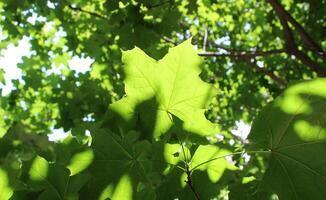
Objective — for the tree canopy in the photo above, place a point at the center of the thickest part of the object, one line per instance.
(152, 116)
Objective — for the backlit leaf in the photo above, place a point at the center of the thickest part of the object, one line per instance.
(293, 129)
(161, 90)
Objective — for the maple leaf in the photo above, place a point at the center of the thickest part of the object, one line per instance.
(171, 89)
(293, 128)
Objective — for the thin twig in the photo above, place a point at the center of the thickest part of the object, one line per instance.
(169, 40)
(159, 4)
(190, 184)
(227, 48)
(205, 40)
(87, 12)
(223, 156)
(237, 54)
(231, 52)
(242, 54)
(189, 172)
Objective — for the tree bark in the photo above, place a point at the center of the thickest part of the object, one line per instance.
(311, 44)
(291, 45)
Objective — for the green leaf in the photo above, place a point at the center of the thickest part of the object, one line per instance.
(52, 180)
(293, 128)
(2, 78)
(61, 59)
(10, 170)
(80, 161)
(218, 164)
(206, 178)
(120, 169)
(5, 190)
(75, 156)
(3, 125)
(170, 87)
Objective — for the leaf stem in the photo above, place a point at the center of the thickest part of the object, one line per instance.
(223, 156)
(190, 184)
(174, 165)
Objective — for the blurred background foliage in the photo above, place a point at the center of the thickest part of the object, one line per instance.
(252, 50)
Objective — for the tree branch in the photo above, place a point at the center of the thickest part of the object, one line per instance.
(159, 4)
(205, 40)
(292, 47)
(290, 43)
(242, 54)
(245, 55)
(231, 52)
(304, 35)
(227, 48)
(87, 12)
(190, 184)
(169, 40)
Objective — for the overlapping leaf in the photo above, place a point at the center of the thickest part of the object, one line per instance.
(293, 128)
(48, 181)
(120, 169)
(218, 164)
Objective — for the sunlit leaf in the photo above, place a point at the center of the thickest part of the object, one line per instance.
(170, 87)
(80, 161)
(218, 163)
(5, 190)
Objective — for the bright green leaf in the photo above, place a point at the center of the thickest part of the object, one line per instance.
(217, 165)
(80, 161)
(5, 190)
(170, 87)
(2, 78)
(39, 169)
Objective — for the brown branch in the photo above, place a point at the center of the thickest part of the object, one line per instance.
(292, 47)
(290, 43)
(242, 54)
(205, 40)
(159, 4)
(169, 40)
(190, 184)
(231, 52)
(304, 35)
(246, 55)
(227, 48)
(87, 12)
